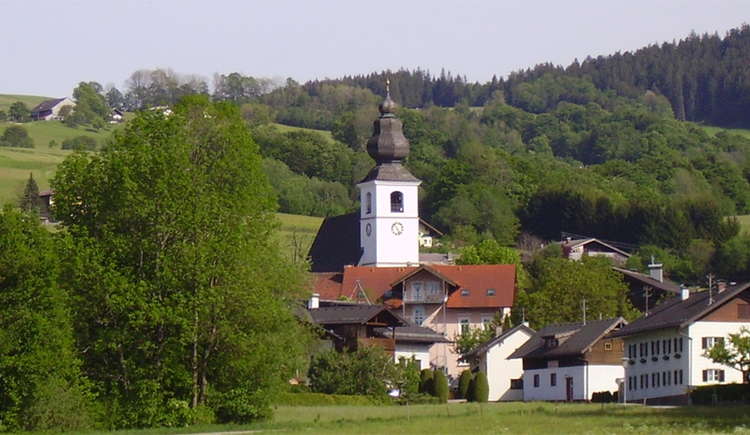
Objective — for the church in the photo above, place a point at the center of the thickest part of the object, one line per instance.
(372, 257)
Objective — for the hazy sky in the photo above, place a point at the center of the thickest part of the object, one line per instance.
(46, 48)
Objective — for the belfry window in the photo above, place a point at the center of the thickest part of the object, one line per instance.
(397, 202)
(368, 203)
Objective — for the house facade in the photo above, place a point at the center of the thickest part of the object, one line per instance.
(571, 361)
(504, 376)
(665, 349)
(50, 110)
(575, 249)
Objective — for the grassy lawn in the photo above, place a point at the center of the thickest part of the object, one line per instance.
(744, 221)
(284, 128)
(713, 130)
(493, 418)
(297, 234)
(17, 163)
(30, 101)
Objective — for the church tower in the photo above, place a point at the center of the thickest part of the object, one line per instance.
(389, 215)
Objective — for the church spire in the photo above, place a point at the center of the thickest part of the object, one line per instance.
(387, 143)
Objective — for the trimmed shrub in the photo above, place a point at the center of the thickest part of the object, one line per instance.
(441, 386)
(427, 382)
(463, 384)
(714, 394)
(479, 388)
(602, 397)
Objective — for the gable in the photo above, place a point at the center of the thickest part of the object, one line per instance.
(735, 310)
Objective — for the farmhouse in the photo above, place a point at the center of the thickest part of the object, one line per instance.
(505, 376)
(575, 249)
(372, 256)
(665, 346)
(571, 361)
(50, 110)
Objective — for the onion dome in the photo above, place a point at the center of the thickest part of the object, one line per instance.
(387, 143)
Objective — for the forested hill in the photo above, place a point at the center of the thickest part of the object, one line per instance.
(705, 78)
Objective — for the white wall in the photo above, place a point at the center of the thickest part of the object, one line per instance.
(586, 381)
(420, 352)
(651, 367)
(699, 363)
(501, 370)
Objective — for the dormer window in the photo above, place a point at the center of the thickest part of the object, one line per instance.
(397, 202)
(368, 203)
(551, 342)
(490, 292)
(464, 293)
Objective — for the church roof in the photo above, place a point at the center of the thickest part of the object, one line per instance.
(390, 171)
(336, 244)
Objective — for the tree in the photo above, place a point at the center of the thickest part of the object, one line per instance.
(19, 112)
(441, 386)
(16, 136)
(733, 352)
(479, 388)
(37, 357)
(90, 95)
(367, 371)
(427, 382)
(470, 338)
(29, 202)
(79, 143)
(463, 383)
(181, 290)
(488, 252)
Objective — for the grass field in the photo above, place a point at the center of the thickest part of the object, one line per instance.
(492, 418)
(284, 128)
(744, 221)
(713, 130)
(30, 101)
(297, 234)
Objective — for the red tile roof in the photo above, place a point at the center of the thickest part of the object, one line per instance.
(376, 281)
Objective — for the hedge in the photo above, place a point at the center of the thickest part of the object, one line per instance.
(320, 399)
(713, 394)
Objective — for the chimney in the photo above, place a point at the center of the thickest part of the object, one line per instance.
(655, 271)
(498, 330)
(314, 302)
(684, 293)
(721, 286)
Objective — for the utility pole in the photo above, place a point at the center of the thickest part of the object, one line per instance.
(710, 277)
(646, 294)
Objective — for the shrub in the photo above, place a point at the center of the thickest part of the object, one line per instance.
(479, 388)
(426, 382)
(602, 397)
(80, 143)
(441, 386)
(320, 399)
(712, 394)
(16, 136)
(463, 384)
(368, 371)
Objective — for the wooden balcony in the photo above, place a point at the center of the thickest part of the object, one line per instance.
(387, 344)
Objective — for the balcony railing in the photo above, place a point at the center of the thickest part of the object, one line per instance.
(422, 298)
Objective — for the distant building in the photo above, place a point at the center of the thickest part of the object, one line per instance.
(50, 110)
(575, 249)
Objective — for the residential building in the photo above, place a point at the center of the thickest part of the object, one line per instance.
(505, 376)
(571, 361)
(575, 249)
(665, 348)
(50, 110)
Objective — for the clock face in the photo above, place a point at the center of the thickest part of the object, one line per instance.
(368, 229)
(397, 228)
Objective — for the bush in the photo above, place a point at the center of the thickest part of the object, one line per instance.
(713, 394)
(603, 397)
(80, 143)
(427, 382)
(320, 399)
(367, 371)
(16, 136)
(441, 386)
(463, 384)
(241, 405)
(479, 388)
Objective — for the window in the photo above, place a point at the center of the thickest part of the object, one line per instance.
(709, 342)
(433, 287)
(551, 342)
(516, 384)
(607, 346)
(368, 203)
(397, 202)
(463, 326)
(713, 375)
(536, 381)
(464, 292)
(486, 323)
(490, 292)
(666, 379)
(743, 311)
(418, 313)
(416, 291)
(668, 346)
(553, 379)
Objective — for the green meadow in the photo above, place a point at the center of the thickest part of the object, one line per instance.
(491, 418)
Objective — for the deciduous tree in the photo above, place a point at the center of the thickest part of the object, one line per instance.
(733, 352)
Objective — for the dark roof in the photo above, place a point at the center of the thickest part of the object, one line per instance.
(48, 192)
(391, 171)
(47, 105)
(678, 313)
(337, 244)
(577, 242)
(413, 333)
(355, 315)
(667, 286)
(484, 347)
(575, 338)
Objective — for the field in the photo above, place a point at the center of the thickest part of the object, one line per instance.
(30, 101)
(493, 418)
(713, 130)
(285, 128)
(297, 233)
(744, 221)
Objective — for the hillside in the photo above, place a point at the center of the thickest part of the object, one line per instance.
(30, 101)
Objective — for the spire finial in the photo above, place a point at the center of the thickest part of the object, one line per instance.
(388, 106)
(388, 86)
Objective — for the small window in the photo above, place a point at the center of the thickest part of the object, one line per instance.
(397, 202)
(464, 292)
(516, 384)
(713, 375)
(418, 313)
(463, 326)
(743, 311)
(490, 292)
(607, 346)
(709, 342)
(553, 379)
(368, 203)
(536, 381)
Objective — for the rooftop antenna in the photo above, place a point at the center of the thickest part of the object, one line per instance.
(359, 291)
(710, 277)
(647, 294)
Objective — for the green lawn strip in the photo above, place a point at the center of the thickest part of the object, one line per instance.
(713, 130)
(285, 128)
(30, 101)
(744, 221)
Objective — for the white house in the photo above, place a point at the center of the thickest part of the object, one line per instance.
(50, 110)
(505, 376)
(571, 361)
(665, 348)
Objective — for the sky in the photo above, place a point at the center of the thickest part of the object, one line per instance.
(48, 47)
